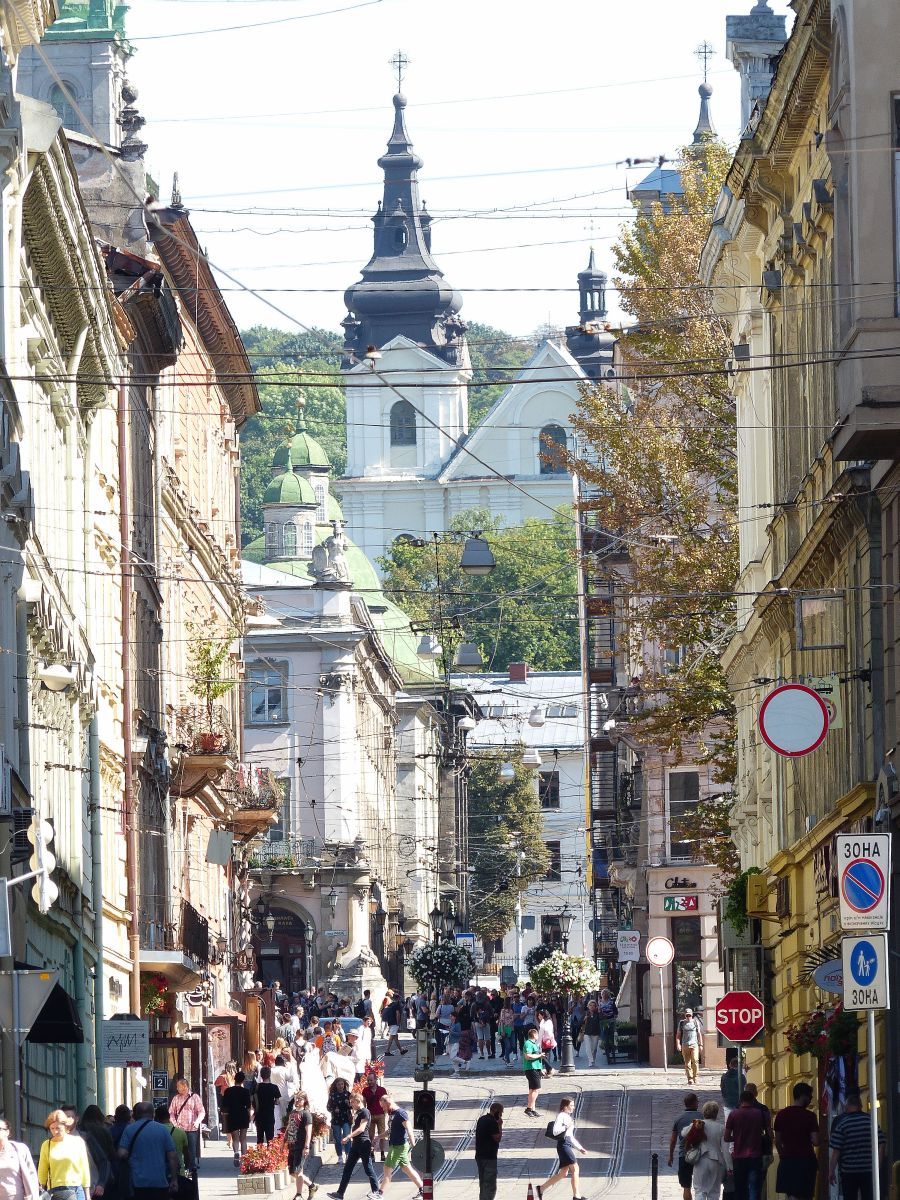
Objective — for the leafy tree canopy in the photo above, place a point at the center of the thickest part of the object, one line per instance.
(524, 611)
(662, 467)
(503, 815)
(491, 350)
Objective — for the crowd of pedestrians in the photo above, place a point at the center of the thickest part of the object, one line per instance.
(720, 1147)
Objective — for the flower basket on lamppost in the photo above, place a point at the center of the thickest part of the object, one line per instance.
(434, 964)
(572, 975)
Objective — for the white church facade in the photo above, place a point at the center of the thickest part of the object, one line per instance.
(413, 464)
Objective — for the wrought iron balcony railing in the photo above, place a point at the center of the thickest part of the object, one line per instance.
(290, 853)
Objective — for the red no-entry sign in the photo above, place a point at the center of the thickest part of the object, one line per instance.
(740, 1016)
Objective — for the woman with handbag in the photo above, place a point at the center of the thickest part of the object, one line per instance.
(18, 1177)
(713, 1161)
(568, 1147)
(547, 1034)
(63, 1168)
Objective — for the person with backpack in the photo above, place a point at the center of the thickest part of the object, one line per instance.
(562, 1130)
(689, 1044)
(713, 1159)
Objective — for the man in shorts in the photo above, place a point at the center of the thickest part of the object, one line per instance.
(373, 1095)
(401, 1140)
(679, 1129)
(532, 1062)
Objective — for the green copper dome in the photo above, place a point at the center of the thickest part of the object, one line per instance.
(335, 512)
(290, 489)
(306, 452)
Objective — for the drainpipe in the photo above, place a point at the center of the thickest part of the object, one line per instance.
(131, 833)
(97, 903)
(163, 585)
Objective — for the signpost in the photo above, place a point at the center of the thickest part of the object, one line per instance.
(660, 953)
(681, 903)
(740, 1016)
(793, 720)
(864, 868)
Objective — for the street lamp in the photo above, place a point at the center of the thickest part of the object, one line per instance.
(332, 902)
(436, 918)
(477, 558)
(531, 758)
(567, 1066)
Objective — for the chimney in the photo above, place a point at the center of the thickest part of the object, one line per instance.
(518, 672)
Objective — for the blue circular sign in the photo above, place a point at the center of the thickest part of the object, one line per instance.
(863, 885)
(864, 963)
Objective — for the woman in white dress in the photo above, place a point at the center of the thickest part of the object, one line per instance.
(286, 1079)
(312, 1079)
(714, 1162)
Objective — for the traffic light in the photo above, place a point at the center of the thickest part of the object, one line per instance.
(423, 1110)
(44, 891)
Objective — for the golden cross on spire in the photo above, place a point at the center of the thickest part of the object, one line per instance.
(704, 53)
(400, 62)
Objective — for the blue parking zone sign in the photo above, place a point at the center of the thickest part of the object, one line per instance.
(865, 972)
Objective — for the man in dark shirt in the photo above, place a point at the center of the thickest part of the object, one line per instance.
(401, 1140)
(359, 1149)
(390, 1016)
(796, 1139)
(267, 1096)
(488, 1132)
(744, 1131)
(680, 1127)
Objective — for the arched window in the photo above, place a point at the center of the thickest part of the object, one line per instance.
(273, 538)
(321, 513)
(552, 440)
(403, 424)
(64, 106)
(290, 539)
(306, 539)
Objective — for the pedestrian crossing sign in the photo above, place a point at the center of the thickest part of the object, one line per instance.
(865, 972)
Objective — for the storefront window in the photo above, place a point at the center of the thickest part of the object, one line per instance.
(686, 937)
(687, 969)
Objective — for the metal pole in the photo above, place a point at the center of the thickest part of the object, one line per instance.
(662, 1013)
(873, 1103)
(428, 1175)
(17, 1057)
(654, 1176)
(519, 963)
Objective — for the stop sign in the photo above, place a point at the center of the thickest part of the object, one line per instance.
(740, 1016)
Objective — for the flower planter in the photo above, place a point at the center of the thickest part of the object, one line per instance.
(252, 1184)
(282, 1178)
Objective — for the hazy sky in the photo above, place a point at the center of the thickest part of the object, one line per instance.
(513, 105)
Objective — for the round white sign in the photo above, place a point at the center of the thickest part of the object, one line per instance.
(793, 720)
(660, 951)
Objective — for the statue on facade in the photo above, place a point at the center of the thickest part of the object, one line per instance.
(329, 558)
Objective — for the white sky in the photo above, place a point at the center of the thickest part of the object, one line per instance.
(294, 115)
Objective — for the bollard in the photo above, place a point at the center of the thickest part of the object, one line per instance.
(654, 1176)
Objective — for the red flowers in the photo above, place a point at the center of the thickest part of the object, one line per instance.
(260, 1159)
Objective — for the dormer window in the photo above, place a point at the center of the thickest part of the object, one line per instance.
(403, 424)
(401, 238)
(552, 439)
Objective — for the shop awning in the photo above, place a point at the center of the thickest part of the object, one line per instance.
(58, 1020)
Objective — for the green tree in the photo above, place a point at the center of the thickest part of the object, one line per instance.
(524, 611)
(662, 469)
(504, 819)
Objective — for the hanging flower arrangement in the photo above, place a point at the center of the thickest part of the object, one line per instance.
(155, 994)
(562, 972)
(841, 1031)
(808, 1036)
(446, 963)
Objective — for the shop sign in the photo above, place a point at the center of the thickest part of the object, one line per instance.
(829, 976)
(124, 1042)
(681, 903)
(628, 945)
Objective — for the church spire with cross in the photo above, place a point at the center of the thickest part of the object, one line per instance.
(402, 290)
(705, 129)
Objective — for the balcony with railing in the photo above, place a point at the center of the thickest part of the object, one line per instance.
(254, 797)
(204, 746)
(178, 949)
(288, 854)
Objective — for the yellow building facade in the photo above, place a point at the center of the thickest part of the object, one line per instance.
(809, 601)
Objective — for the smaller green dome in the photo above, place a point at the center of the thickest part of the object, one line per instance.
(335, 512)
(290, 489)
(306, 452)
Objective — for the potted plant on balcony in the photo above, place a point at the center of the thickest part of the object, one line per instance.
(208, 657)
(156, 1000)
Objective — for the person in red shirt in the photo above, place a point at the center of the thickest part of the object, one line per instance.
(744, 1132)
(373, 1094)
(796, 1139)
